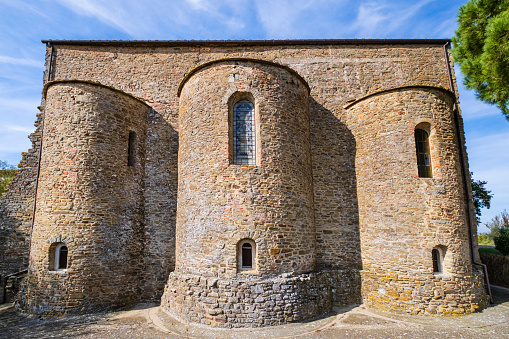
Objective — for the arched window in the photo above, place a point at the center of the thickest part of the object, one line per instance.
(61, 257)
(423, 153)
(58, 256)
(244, 143)
(246, 255)
(131, 149)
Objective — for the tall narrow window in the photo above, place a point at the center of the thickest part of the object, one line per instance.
(131, 149)
(437, 261)
(247, 255)
(62, 258)
(244, 142)
(246, 252)
(423, 153)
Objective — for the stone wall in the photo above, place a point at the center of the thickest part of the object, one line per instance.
(355, 175)
(236, 303)
(90, 199)
(16, 210)
(221, 203)
(403, 217)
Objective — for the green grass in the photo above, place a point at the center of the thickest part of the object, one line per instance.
(488, 250)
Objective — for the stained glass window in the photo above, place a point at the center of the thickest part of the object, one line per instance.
(244, 142)
(423, 153)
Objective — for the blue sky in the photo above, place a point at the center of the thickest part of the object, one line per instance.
(23, 23)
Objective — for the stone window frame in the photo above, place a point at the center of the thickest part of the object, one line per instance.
(441, 252)
(235, 98)
(425, 127)
(240, 267)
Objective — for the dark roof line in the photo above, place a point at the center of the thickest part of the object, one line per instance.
(247, 42)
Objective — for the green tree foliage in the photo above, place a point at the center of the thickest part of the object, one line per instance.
(481, 197)
(481, 48)
(502, 241)
(7, 172)
(496, 224)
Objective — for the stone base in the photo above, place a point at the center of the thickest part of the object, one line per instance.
(424, 295)
(235, 303)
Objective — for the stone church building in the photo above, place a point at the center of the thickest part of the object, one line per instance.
(245, 183)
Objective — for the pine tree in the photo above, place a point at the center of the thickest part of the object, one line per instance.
(481, 48)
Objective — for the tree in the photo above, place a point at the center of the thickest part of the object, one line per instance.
(481, 197)
(502, 241)
(497, 223)
(7, 172)
(481, 48)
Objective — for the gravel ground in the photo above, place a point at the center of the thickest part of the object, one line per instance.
(148, 321)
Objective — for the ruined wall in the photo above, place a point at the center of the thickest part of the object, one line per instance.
(90, 199)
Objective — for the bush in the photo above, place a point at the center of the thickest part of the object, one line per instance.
(485, 239)
(502, 241)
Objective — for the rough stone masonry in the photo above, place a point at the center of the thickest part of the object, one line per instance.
(138, 182)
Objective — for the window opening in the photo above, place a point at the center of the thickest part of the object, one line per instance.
(244, 143)
(131, 149)
(247, 255)
(58, 256)
(423, 153)
(437, 265)
(62, 258)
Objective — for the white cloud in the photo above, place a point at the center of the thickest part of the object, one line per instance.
(280, 19)
(21, 61)
(381, 18)
(17, 128)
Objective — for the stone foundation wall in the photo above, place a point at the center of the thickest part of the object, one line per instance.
(275, 301)
(443, 295)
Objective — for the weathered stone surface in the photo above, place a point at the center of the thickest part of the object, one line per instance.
(335, 196)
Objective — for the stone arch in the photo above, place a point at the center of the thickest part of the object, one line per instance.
(229, 60)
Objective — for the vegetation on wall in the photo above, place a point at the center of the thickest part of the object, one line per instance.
(481, 48)
(7, 172)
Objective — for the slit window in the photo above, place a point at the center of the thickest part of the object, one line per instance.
(437, 261)
(244, 143)
(423, 153)
(131, 149)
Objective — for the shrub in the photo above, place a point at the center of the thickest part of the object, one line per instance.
(502, 241)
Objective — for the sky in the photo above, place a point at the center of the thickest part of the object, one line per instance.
(24, 23)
